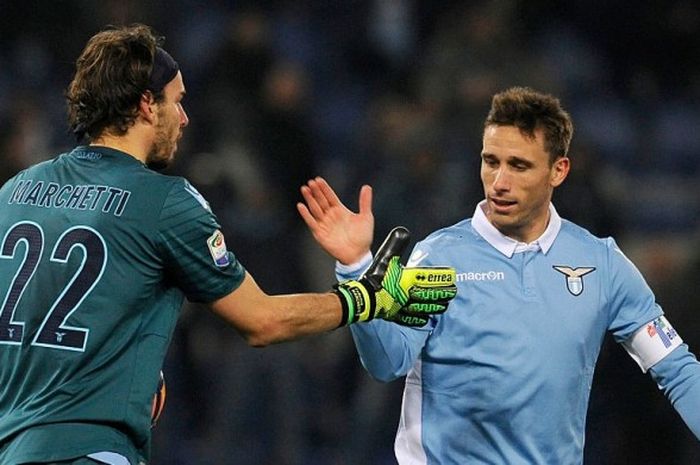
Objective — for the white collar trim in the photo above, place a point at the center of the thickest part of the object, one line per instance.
(508, 246)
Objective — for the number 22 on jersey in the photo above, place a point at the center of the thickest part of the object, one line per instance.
(53, 331)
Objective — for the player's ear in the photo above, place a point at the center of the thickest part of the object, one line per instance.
(147, 107)
(560, 170)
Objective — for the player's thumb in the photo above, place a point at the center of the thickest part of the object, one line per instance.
(366, 200)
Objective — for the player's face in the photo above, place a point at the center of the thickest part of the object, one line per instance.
(518, 181)
(171, 119)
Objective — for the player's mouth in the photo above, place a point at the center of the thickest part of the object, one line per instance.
(502, 206)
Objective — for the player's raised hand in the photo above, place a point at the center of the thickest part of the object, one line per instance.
(387, 290)
(344, 234)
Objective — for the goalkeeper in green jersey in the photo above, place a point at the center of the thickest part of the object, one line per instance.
(98, 251)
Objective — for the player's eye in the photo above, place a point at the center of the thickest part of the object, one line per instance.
(519, 165)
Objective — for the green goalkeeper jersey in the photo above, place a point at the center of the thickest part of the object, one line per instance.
(97, 253)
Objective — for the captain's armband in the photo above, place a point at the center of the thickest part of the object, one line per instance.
(652, 342)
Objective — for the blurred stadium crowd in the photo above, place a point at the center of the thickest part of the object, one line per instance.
(391, 93)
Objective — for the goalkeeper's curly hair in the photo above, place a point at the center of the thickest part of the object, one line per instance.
(112, 73)
(529, 110)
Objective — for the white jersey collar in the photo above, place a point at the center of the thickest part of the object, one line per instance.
(508, 246)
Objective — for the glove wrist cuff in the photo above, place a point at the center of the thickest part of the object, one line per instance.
(344, 297)
(358, 301)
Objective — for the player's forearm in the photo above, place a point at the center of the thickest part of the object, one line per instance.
(288, 317)
(385, 350)
(264, 319)
(678, 375)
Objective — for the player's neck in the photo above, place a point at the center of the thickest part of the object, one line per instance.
(529, 232)
(132, 143)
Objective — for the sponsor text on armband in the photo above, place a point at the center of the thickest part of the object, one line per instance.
(652, 342)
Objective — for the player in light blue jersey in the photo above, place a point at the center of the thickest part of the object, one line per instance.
(97, 253)
(505, 376)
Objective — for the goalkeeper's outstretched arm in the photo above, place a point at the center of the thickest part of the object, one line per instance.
(264, 319)
(407, 296)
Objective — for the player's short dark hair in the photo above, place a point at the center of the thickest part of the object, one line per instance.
(112, 73)
(529, 110)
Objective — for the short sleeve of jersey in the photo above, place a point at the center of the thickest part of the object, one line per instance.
(194, 248)
(632, 301)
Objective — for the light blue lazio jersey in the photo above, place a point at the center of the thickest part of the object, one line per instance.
(504, 376)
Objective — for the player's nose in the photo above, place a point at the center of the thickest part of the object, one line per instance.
(184, 119)
(501, 181)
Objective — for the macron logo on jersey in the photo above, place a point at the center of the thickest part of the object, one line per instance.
(481, 276)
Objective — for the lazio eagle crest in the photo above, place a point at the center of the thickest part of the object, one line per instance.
(574, 277)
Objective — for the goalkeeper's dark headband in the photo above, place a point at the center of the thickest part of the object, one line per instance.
(164, 70)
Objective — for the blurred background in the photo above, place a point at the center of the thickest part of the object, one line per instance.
(392, 93)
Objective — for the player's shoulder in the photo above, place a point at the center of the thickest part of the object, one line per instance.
(572, 232)
(173, 189)
(449, 236)
(451, 232)
(153, 190)
(183, 192)
(40, 167)
(36, 170)
(578, 233)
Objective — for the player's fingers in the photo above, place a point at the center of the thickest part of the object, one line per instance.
(316, 191)
(407, 319)
(426, 308)
(439, 294)
(311, 202)
(327, 191)
(307, 217)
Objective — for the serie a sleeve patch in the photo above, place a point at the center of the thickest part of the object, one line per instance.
(217, 249)
(652, 342)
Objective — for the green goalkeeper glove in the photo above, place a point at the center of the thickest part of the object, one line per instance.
(387, 290)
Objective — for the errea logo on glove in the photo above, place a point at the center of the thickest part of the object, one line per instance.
(481, 276)
(439, 278)
(434, 278)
